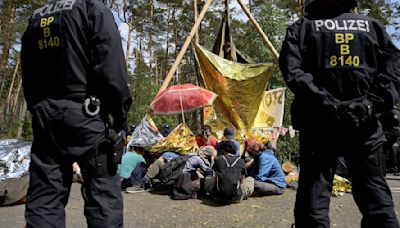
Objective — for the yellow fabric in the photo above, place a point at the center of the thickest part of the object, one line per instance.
(180, 140)
(240, 86)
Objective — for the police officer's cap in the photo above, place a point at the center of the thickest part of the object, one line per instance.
(348, 4)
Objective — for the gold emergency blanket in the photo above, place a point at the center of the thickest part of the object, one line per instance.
(341, 185)
(180, 140)
(240, 86)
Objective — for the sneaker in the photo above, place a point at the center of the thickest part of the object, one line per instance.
(135, 189)
(145, 183)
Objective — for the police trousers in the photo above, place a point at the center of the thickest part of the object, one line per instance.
(318, 161)
(62, 135)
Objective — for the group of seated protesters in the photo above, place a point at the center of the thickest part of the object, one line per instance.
(216, 169)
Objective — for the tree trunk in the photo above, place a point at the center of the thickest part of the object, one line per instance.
(128, 44)
(8, 39)
(250, 6)
(167, 47)
(151, 39)
(10, 90)
(156, 70)
(140, 45)
(17, 96)
(21, 119)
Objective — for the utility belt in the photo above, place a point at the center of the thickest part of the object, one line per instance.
(103, 159)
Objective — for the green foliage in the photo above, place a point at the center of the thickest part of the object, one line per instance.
(27, 133)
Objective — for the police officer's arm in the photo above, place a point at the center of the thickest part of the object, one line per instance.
(27, 77)
(109, 67)
(291, 65)
(384, 92)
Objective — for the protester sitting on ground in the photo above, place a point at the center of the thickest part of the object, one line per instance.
(231, 185)
(269, 178)
(153, 171)
(229, 135)
(188, 185)
(204, 137)
(132, 167)
(167, 169)
(203, 160)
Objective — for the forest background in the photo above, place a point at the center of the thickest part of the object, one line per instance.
(153, 33)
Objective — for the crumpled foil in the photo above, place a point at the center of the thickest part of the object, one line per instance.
(14, 158)
(340, 186)
(180, 140)
(145, 134)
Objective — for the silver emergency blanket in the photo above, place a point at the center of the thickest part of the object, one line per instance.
(14, 158)
(146, 134)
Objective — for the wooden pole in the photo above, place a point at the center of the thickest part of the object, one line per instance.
(259, 30)
(199, 112)
(196, 15)
(184, 47)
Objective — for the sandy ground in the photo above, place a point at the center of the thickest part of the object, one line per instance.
(154, 210)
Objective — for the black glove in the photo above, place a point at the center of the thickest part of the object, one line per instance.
(355, 114)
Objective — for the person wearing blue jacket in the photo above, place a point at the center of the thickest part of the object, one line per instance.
(269, 178)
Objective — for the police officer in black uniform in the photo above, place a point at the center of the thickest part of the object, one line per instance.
(343, 69)
(75, 79)
(391, 126)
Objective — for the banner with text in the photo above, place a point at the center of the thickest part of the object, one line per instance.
(270, 112)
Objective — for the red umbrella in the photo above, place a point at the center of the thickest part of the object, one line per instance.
(181, 98)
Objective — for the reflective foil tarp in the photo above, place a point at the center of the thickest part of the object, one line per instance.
(340, 186)
(146, 134)
(240, 86)
(180, 140)
(14, 158)
(14, 170)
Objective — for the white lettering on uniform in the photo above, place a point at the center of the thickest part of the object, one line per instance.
(338, 26)
(351, 26)
(54, 7)
(342, 25)
(329, 24)
(318, 24)
(361, 25)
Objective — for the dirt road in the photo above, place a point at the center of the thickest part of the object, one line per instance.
(155, 210)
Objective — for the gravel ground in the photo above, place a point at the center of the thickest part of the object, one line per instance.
(156, 210)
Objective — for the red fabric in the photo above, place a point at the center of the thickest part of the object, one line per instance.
(253, 144)
(201, 141)
(178, 98)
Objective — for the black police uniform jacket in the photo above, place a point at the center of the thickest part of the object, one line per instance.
(329, 61)
(72, 49)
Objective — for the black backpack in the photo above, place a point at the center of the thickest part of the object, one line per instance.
(172, 170)
(228, 182)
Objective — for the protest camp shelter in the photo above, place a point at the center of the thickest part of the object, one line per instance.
(240, 84)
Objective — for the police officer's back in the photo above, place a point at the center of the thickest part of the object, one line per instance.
(343, 70)
(74, 78)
